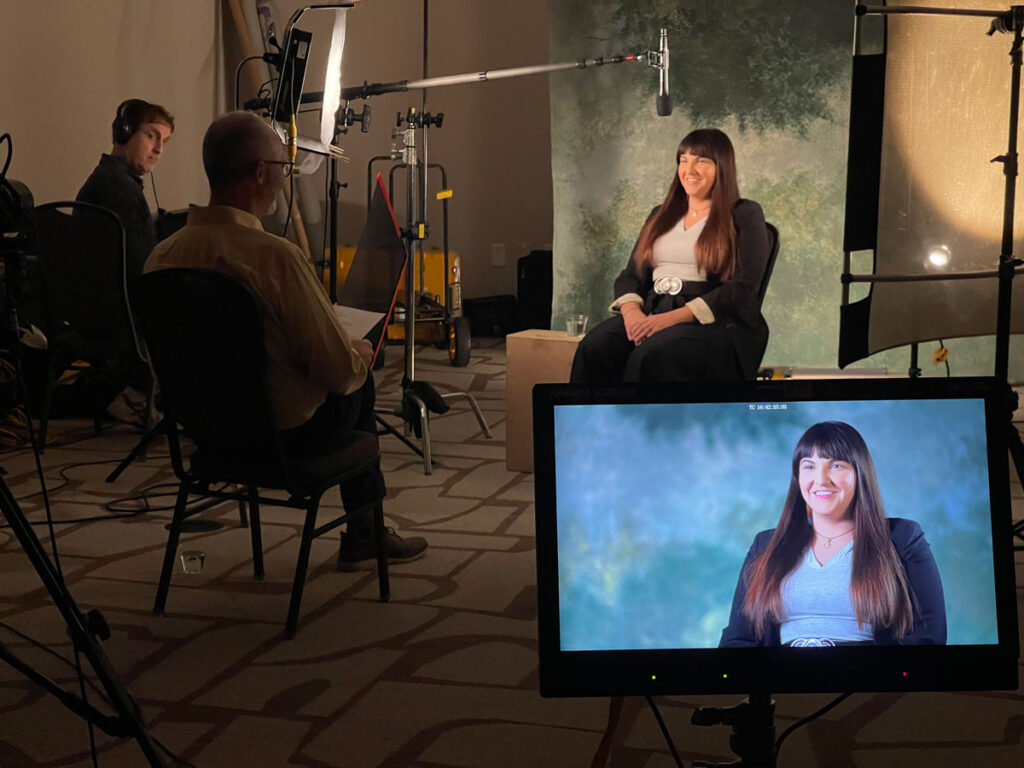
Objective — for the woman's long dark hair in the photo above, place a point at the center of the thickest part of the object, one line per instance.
(716, 246)
(878, 583)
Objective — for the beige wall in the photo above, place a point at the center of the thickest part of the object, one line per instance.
(65, 65)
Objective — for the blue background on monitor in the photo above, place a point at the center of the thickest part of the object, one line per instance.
(658, 504)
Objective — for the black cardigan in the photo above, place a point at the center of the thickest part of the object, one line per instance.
(922, 575)
(734, 301)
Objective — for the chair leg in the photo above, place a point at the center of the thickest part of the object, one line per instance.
(243, 517)
(256, 534)
(172, 549)
(301, 566)
(380, 536)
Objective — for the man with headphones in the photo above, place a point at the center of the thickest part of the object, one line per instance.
(139, 131)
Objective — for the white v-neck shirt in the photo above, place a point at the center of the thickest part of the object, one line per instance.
(816, 600)
(675, 253)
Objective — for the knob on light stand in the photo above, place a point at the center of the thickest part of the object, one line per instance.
(347, 117)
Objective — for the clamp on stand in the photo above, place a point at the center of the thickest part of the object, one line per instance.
(753, 731)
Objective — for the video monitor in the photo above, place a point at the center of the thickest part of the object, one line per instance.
(772, 537)
(292, 75)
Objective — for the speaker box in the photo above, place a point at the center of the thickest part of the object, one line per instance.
(534, 289)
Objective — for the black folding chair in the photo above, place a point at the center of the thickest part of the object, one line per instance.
(773, 255)
(205, 334)
(89, 323)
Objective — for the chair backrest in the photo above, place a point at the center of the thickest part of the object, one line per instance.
(773, 254)
(205, 332)
(80, 247)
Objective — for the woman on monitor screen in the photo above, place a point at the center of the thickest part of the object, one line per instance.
(836, 571)
(687, 306)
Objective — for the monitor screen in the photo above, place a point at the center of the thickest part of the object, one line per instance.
(706, 539)
(292, 76)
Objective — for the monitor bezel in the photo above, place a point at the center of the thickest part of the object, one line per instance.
(777, 670)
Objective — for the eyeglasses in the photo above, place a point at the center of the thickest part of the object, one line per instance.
(287, 169)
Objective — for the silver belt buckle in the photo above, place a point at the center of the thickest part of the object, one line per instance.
(669, 285)
(812, 642)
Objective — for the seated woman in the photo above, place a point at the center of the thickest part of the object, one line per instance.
(686, 304)
(836, 571)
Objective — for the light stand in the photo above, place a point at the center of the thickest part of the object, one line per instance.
(420, 399)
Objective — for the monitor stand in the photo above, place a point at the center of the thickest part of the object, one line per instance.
(753, 731)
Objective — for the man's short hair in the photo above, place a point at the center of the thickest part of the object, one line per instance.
(232, 147)
(135, 113)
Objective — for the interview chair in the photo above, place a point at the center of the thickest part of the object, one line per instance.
(89, 323)
(205, 335)
(773, 255)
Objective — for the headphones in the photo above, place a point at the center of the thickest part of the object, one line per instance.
(122, 129)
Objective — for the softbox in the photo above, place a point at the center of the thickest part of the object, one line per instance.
(929, 113)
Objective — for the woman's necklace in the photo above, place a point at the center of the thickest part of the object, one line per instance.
(828, 539)
(695, 211)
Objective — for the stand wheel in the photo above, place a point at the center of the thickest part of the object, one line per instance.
(459, 342)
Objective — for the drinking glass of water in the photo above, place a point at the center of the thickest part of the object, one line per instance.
(576, 325)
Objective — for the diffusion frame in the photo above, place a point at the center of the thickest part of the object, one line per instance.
(930, 188)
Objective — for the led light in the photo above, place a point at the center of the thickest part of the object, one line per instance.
(939, 256)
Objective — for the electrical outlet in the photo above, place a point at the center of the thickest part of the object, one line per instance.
(498, 255)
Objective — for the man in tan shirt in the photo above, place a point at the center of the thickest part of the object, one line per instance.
(318, 377)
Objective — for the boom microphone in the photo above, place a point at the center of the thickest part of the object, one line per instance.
(664, 100)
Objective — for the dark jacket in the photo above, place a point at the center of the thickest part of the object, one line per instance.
(113, 185)
(734, 301)
(922, 576)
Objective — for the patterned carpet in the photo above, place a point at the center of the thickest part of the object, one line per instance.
(443, 676)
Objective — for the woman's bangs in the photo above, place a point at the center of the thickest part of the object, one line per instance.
(826, 443)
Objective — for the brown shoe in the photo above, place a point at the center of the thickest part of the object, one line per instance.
(360, 554)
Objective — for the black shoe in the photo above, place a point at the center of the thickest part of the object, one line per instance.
(359, 554)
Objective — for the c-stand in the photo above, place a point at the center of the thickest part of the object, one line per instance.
(420, 399)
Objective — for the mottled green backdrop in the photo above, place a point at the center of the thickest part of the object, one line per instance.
(775, 75)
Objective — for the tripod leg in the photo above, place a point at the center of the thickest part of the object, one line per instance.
(390, 430)
(424, 431)
(476, 410)
(139, 451)
(129, 719)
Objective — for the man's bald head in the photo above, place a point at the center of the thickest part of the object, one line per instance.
(234, 145)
